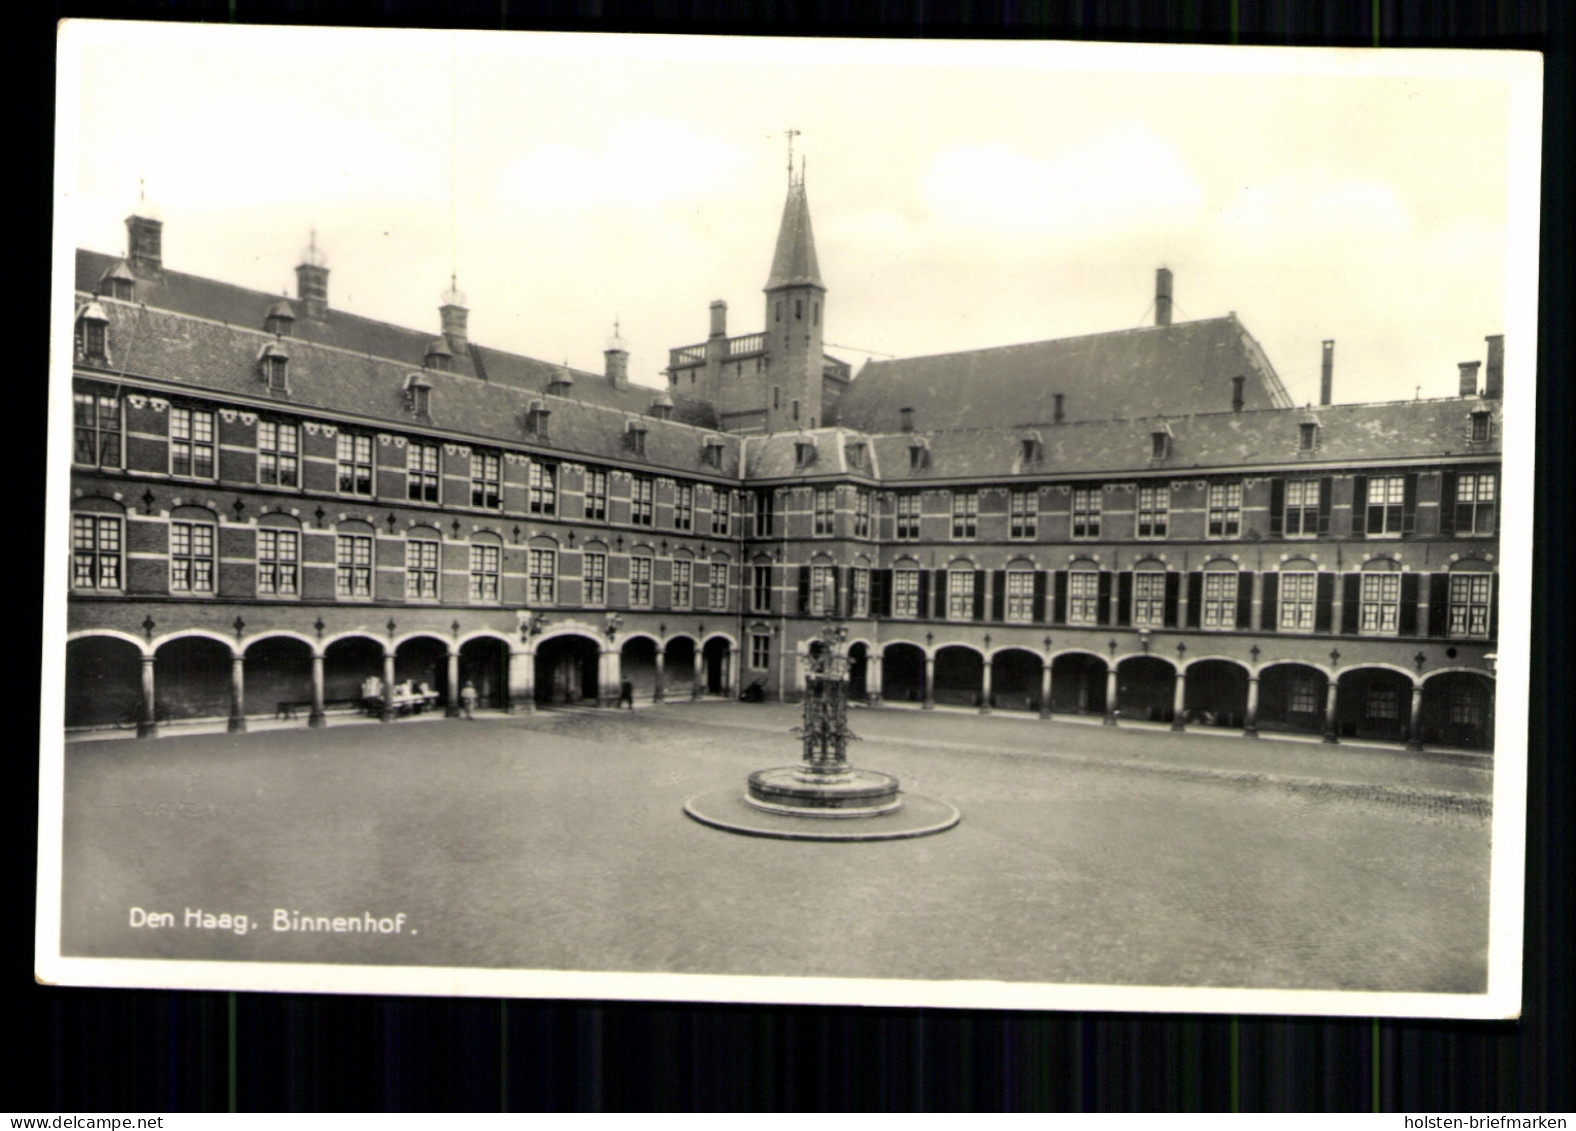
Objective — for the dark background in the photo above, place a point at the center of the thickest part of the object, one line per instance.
(139, 1051)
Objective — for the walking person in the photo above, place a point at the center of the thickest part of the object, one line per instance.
(626, 694)
(468, 699)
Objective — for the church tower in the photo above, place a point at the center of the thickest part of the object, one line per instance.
(795, 319)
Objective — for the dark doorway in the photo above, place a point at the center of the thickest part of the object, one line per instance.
(716, 661)
(858, 668)
(903, 673)
(1292, 697)
(566, 669)
(103, 682)
(347, 664)
(1146, 688)
(484, 664)
(1458, 710)
(1217, 693)
(191, 678)
(959, 676)
(1078, 684)
(1015, 680)
(278, 675)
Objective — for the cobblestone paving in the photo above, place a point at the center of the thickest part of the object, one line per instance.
(556, 841)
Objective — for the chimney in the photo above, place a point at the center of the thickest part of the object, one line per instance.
(1057, 411)
(616, 357)
(719, 319)
(144, 244)
(1469, 372)
(1327, 374)
(312, 282)
(1236, 393)
(907, 415)
(1163, 297)
(453, 316)
(1494, 376)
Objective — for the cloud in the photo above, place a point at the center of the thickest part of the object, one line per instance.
(1314, 205)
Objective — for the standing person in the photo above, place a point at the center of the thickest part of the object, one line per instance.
(468, 699)
(626, 693)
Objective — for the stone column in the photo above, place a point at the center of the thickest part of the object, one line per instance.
(388, 687)
(1250, 724)
(929, 700)
(700, 674)
(1045, 690)
(1179, 701)
(149, 726)
(1414, 740)
(873, 679)
(610, 672)
(451, 709)
(237, 694)
(522, 681)
(985, 688)
(659, 692)
(731, 685)
(1329, 710)
(1110, 696)
(315, 718)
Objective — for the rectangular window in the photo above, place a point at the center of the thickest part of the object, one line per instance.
(683, 507)
(861, 514)
(191, 557)
(640, 582)
(824, 503)
(642, 500)
(1020, 596)
(821, 591)
(1083, 597)
(1225, 510)
(1025, 513)
(761, 588)
(908, 518)
(1386, 498)
(595, 579)
(96, 417)
(1467, 706)
(905, 593)
(1086, 512)
(719, 585)
(683, 572)
(1149, 599)
(191, 443)
(596, 495)
(355, 463)
(278, 562)
(422, 471)
(278, 454)
(1220, 599)
(1475, 502)
(541, 575)
(760, 651)
(1383, 702)
(763, 514)
(859, 603)
(1470, 594)
(965, 514)
(1480, 427)
(95, 547)
(721, 504)
(421, 570)
(1154, 511)
(960, 594)
(484, 572)
(1298, 598)
(353, 565)
(487, 480)
(1302, 508)
(1304, 696)
(1381, 602)
(543, 488)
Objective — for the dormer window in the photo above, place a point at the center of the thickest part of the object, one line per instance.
(118, 282)
(93, 333)
(561, 384)
(536, 419)
(1031, 450)
(280, 319)
(803, 453)
(635, 438)
(918, 455)
(418, 395)
(856, 454)
(438, 356)
(273, 366)
(1482, 427)
(1159, 444)
(1308, 436)
(711, 453)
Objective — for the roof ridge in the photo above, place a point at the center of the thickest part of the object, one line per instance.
(1048, 341)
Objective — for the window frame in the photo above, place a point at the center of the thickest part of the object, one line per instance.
(683, 583)
(1218, 601)
(760, 651)
(905, 593)
(1223, 509)
(721, 512)
(541, 576)
(862, 513)
(350, 575)
(1306, 510)
(1379, 610)
(1023, 510)
(349, 469)
(824, 506)
(593, 577)
(1083, 597)
(1018, 606)
(274, 567)
(1087, 506)
(1385, 519)
(192, 445)
(717, 587)
(683, 506)
(960, 593)
(1477, 511)
(595, 494)
(96, 555)
(421, 484)
(965, 515)
(642, 500)
(1463, 609)
(640, 581)
(194, 584)
(906, 512)
(485, 569)
(760, 587)
(487, 480)
(94, 429)
(1149, 598)
(1297, 600)
(1152, 511)
(421, 572)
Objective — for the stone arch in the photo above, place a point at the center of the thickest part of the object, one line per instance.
(1458, 708)
(958, 675)
(1374, 701)
(716, 664)
(567, 668)
(858, 671)
(484, 665)
(679, 665)
(1078, 682)
(422, 660)
(1292, 696)
(349, 660)
(191, 675)
(103, 679)
(1146, 688)
(902, 672)
(1217, 691)
(228, 642)
(638, 663)
(278, 671)
(136, 642)
(1016, 674)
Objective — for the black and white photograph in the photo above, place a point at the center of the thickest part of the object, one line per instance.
(991, 525)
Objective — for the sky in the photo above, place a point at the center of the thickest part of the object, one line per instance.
(962, 195)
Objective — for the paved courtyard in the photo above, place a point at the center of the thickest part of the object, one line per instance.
(557, 841)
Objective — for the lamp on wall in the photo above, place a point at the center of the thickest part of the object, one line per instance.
(1143, 639)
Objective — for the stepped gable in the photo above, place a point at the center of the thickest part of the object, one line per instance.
(1182, 368)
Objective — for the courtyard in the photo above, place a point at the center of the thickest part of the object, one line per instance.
(557, 841)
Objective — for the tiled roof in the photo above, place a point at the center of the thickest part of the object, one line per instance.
(776, 455)
(209, 356)
(794, 262)
(1182, 368)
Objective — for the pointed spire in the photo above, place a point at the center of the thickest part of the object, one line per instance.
(794, 263)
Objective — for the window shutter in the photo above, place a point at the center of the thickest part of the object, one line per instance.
(1102, 605)
(1324, 603)
(1359, 505)
(1277, 507)
(1195, 599)
(839, 588)
(1439, 604)
(1040, 578)
(1447, 502)
(922, 601)
(1493, 609)
(804, 590)
(880, 586)
(1351, 595)
(938, 594)
(1411, 587)
(1326, 489)
(1059, 598)
(1270, 588)
(979, 594)
(1245, 599)
(1409, 504)
(998, 595)
(1124, 598)
(1173, 593)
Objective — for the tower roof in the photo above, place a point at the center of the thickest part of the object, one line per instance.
(794, 263)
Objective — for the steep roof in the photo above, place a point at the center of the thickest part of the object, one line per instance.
(1182, 368)
(794, 263)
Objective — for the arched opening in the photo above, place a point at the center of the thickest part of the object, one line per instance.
(278, 675)
(959, 676)
(903, 673)
(1078, 684)
(1458, 710)
(1146, 689)
(423, 662)
(566, 669)
(1373, 703)
(347, 665)
(191, 678)
(679, 668)
(858, 668)
(716, 664)
(484, 664)
(1292, 697)
(1015, 680)
(103, 682)
(1217, 693)
(638, 663)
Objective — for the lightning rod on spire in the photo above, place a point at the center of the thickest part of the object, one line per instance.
(791, 134)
